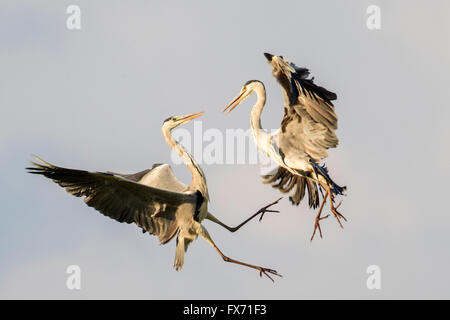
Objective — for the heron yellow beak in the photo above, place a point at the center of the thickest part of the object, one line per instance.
(236, 101)
(191, 116)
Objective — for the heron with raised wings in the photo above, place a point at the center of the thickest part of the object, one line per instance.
(307, 131)
(153, 199)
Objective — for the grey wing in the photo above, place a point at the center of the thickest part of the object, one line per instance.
(159, 176)
(309, 122)
(301, 137)
(152, 209)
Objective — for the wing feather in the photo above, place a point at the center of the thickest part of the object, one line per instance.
(124, 200)
(309, 123)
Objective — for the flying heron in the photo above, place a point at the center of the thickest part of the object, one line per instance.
(307, 131)
(153, 199)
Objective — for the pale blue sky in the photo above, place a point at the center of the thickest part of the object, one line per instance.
(96, 98)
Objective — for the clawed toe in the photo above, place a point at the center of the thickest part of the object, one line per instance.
(317, 226)
(266, 272)
(338, 216)
(266, 209)
(263, 212)
(333, 209)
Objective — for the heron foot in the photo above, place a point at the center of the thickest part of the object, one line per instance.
(262, 270)
(265, 209)
(266, 272)
(337, 214)
(318, 218)
(317, 226)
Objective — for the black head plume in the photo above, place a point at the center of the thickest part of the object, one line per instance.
(168, 119)
(250, 81)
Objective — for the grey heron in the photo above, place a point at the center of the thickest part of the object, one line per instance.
(153, 199)
(307, 131)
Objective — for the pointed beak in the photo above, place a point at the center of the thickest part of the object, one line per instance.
(191, 117)
(268, 56)
(233, 104)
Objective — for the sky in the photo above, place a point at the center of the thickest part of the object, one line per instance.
(95, 99)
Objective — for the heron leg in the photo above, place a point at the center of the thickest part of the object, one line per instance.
(261, 211)
(266, 271)
(333, 208)
(319, 218)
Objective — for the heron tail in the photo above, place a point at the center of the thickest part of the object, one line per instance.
(285, 181)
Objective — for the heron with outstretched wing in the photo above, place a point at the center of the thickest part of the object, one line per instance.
(153, 199)
(306, 132)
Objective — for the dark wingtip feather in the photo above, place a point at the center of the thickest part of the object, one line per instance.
(268, 56)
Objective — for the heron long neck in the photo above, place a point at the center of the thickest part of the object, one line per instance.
(259, 134)
(198, 177)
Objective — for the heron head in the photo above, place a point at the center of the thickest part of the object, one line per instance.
(175, 121)
(248, 88)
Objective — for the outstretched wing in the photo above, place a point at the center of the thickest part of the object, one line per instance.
(124, 200)
(309, 122)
